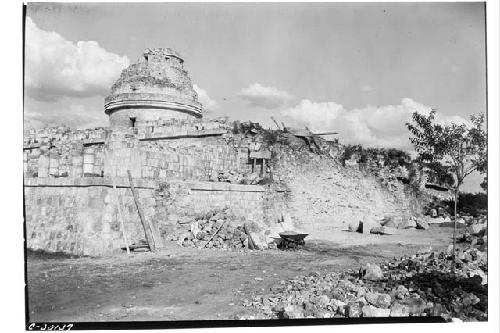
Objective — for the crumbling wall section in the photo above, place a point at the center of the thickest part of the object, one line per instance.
(63, 152)
(326, 196)
(181, 152)
(161, 150)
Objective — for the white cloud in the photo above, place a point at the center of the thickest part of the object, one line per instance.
(73, 112)
(56, 67)
(208, 103)
(266, 97)
(382, 126)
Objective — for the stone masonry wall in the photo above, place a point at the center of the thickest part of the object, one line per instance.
(181, 202)
(63, 152)
(174, 149)
(183, 154)
(80, 216)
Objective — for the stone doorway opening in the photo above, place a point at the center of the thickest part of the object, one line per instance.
(132, 122)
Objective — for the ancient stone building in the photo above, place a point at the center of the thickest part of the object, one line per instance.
(155, 88)
(182, 165)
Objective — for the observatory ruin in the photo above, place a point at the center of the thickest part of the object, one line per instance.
(78, 184)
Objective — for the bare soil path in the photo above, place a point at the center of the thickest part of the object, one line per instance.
(190, 284)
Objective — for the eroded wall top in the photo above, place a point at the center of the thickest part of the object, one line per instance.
(157, 81)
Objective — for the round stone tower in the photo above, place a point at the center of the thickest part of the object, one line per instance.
(155, 87)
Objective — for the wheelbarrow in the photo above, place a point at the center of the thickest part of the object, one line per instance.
(291, 240)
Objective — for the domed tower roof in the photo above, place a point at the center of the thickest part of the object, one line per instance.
(157, 81)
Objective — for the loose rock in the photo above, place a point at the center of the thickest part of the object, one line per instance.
(373, 272)
(372, 311)
(421, 224)
(378, 300)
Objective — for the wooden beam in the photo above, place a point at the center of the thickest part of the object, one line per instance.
(277, 125)
(215, 233)
(326, 133)
(148, 231)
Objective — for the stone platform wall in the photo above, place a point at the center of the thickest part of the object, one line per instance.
(182, 201)
(194, 156)
(79, 216)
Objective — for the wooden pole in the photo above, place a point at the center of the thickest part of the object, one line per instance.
(118, 203)
(326, 133)
(251, 244)
(147, 228)
(454, 230)
(457, 188)
(215, 233)
(277, 125)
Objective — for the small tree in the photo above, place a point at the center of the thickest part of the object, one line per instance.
(450, 151)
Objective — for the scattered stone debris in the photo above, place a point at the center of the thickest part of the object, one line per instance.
(383, 230)
(418, 285)
(371, 272)
(216, 229)
(421, 224)
(235, 177)
(220, 228)
(387, 226)
(390, 224)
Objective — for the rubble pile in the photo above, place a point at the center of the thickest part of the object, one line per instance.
(235, 177)
(420, 285)
(221, 229)
(216, 229)
(475, 234)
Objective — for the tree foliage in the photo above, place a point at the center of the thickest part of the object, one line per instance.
(450, 152)
(473, 204)
(390, 156)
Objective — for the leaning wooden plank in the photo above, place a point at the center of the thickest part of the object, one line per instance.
(298, 132)
(215, 233)
(147, 228)
(277, 125)
(326, 133)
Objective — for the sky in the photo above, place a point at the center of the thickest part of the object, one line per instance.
(360, 69)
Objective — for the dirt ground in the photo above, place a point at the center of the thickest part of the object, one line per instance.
(189, 284)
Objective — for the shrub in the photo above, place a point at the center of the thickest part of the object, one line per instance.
(470, 204)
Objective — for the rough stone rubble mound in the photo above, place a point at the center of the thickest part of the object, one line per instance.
(221, 229)
(216, 229)
(419, 285)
